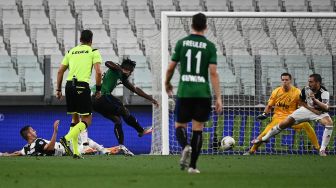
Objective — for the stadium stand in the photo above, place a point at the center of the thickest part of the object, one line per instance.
(31, 29)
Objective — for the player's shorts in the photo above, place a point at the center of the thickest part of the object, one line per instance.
(303, 114)
(187, 109)
(78, 98)
(108, 105)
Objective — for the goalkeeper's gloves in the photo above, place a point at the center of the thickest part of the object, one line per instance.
(262, 116)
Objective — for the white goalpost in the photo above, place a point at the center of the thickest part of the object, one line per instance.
(253, 49)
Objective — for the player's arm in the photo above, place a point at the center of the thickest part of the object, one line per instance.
(304, 104)
(60, 74)
(324, 105)
(139, 91)
(96, 65)
(14, 154)
(169, 75)
(269, 106)
(113, 66)
(51, 145)
(215, 85)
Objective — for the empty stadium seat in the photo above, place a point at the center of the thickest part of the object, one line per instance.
(34, 80)
(189, 5)
(9, 81)
(269, 5)
(297, 5)
(215, 5)
(322, 5)
(241, 5)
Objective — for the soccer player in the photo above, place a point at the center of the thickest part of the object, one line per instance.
(314, 106)
(285, 99)
(79, 60)
(41, 147)
(112, 108)
(197, 56)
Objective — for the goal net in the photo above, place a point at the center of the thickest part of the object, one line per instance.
(253, 50)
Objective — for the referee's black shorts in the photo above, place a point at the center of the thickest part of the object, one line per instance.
(187, 109)
(78, 98)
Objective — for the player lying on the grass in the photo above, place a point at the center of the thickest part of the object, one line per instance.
(41, 147)
(285, 100)
(314, 106)
(112, 108)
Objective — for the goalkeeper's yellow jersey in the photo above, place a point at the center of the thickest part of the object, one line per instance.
(284, 102)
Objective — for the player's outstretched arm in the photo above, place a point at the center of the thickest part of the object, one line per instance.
(14, 154)
(139, 92)
(169, 75)
(51, 145)
(112, 65)
(60, 74)
(215, 85)
(267, 110)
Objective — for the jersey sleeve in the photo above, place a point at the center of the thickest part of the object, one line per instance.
(325, 97)
(22, 151)
(96, 57)
(272, 99)
(176, 53)
(213, 55)
(65, 60)
(303, 94)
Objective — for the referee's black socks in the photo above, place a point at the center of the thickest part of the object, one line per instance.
(181, 135)
(196, 144)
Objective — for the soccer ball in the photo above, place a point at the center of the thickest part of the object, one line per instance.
(227, 143)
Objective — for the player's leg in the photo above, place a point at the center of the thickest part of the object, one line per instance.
(273, 123)
(310, 133)
(196, 144)
(200, 114)
(182, 117)
(299, 115)
(83, 107)
(328, 129)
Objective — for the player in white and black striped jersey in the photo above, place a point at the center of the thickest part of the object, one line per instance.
(314, 106)
(41, 147)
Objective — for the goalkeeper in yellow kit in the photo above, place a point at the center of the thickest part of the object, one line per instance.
(285, 100)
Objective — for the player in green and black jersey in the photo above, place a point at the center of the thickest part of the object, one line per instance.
(112, 108)
(197, 57)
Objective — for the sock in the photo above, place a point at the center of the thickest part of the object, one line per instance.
(73, 135)
(133, 122)
(326, 136)
(83, 137)
(119, 133)
(274, 131)
(196, 144)
(311, 135)
(95, 145)
(181, 135)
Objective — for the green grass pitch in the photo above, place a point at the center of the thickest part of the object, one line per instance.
(163, 171)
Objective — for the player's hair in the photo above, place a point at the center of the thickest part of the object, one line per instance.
(286, 74)
(86, 36)
(199, 22)
(128, 64)
(317, 77)
(24, 131)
